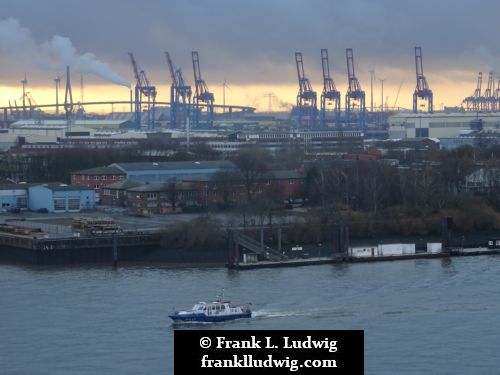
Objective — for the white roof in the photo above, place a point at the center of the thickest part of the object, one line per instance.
(63, 123)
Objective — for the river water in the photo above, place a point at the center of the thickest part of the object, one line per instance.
(434, 316)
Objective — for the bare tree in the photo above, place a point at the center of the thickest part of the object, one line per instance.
(253, 163)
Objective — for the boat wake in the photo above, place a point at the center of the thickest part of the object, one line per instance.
(313, 313)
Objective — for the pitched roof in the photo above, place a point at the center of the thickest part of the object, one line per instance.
(100, 171)
(269, 175)
(172, 165)
(123, 185)
(283, 174)
(162, 187)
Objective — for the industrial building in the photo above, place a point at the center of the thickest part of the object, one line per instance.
(146, 173)
(172, 171)
(200, 191)
(441, 125)
(60, 198)
(51, 197)
(13, 197)
(313, 142)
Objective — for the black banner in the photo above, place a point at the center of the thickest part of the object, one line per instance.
(268, 352)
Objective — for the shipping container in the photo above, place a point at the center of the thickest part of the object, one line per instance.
(494, 243)
(250, 258)
(434, 247)
(363, 252)
(396, 249)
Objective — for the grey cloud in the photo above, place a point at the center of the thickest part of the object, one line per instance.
(254, 42)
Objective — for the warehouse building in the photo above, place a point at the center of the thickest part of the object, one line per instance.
(441, 124)
(51, 197)
(60, 198)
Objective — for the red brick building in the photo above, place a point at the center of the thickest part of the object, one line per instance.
(161, 198)
(97, 178)
(200, 191)
(116, 194)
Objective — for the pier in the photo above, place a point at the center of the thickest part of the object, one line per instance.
(459, 252)
(77, 250)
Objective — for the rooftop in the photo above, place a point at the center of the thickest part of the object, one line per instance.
(162, 187)
(173, 165)
(100, 171)
(123, 185)
(62, 187)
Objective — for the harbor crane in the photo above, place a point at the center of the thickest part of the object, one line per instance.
(180, 96)
(497, 96)
(145, 97)
(306, 98)
(473, 102)
(422, 90)
(355, 95)
(488, 100)
(330, 96)
(202, 95)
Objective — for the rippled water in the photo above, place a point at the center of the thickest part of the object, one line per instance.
(435, 316)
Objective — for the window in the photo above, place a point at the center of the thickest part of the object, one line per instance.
(114, 177)
(151, 195)
(21, 202)
(96, 177)
(59, 204)
(73, 203)
(103, 177)
(421, 132)
(97, 186)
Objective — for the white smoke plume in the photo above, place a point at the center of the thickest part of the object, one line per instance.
(54, 54)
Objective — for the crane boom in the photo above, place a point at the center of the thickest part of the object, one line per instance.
(354, 84)
(422, 89)
(328, 84)
(306, 97)
(201, 92)
(135, 69)
(477, 91)
(421, 80)
(143, 88)
(304, 84)
(330, 96)
(355, 95)
(172, 70)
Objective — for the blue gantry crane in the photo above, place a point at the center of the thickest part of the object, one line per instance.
(488, 99)
(473, 102)
(201, 96)
(145, 97)
(422, 90)
(330, 97)
(180, 96)
(355, 95)
(306, 108)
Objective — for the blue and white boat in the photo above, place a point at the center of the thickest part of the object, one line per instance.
(217, 311)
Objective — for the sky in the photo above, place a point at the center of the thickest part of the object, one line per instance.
(249, 45)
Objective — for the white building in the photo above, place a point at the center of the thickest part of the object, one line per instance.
(440, 124)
